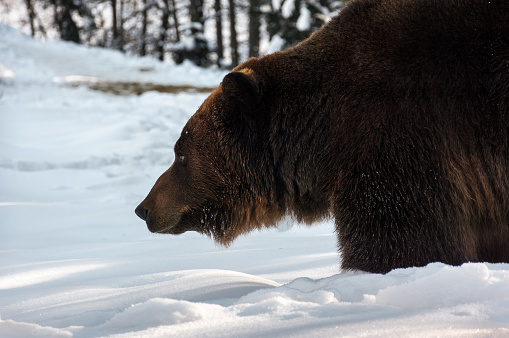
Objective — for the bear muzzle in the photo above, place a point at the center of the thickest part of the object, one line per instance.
(143, 213)
(160, 223)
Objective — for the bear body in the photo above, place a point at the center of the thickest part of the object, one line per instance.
(393, 119)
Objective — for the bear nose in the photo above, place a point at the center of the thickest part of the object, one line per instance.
(141, 211)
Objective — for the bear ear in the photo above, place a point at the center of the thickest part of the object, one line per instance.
(241, 89)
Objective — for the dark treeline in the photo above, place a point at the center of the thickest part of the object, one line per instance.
(212, 32)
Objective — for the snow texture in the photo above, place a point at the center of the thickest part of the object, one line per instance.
(287, 8)
(304, 21)
(76, 262)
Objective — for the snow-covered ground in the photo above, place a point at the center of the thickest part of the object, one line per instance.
(76, 261)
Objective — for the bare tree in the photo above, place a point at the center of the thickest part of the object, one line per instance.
(254, 28)
(165, 26)
(219, 33)
(176, 20)
(117, 9)
(31, 16)
(114, 28)
(144, 23)
(233, 34)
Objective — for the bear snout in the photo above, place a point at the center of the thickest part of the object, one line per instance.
(159, 220)
(142, 212)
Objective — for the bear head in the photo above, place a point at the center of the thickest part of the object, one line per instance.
(215, 185)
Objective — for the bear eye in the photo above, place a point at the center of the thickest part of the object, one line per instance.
(181, 158)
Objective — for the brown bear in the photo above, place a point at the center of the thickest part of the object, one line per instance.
(393, 118)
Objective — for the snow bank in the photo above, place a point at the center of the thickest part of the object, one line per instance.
(471, 300)
(76, 261)
(30, 61)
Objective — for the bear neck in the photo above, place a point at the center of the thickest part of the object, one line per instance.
(295, 101)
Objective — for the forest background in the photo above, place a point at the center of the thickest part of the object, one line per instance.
(218, 33)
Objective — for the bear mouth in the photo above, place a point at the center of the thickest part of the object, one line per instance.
(178, 225)
(170, 229)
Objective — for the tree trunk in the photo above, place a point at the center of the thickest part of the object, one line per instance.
(254, 28)
(196, 12)
(165, 25)
(233, 35)
(143, 37)
(63, 19)
(219, 33)
(175, 20)
(31, 16)
(114, 27)
(117, 25)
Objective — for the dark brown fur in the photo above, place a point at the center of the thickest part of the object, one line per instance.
(394, 118)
